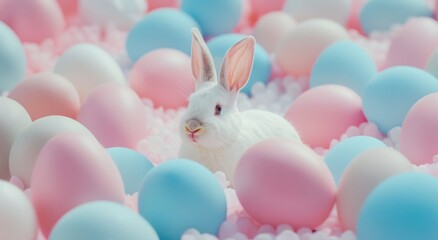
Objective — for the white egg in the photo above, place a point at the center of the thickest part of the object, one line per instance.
(28, 144)
(299, 48)
(13, 120)
(362, 175)
(17, 216)
(336, 10)
(87, 67)
(271, 27)
(121, 13)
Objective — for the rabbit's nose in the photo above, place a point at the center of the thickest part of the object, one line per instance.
(193, 125)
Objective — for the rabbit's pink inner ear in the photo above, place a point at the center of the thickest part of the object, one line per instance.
(196, 57)
(237, 64)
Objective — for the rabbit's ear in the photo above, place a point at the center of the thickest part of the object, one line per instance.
(237, 65)
(202, 63)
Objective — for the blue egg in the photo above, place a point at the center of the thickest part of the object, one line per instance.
(344, 63)
(12, 59)
(403, 207)
(163, 28)
(261, 70)
(132, 165)
(338, 158)
(214, 16)
(388, 98)
(101, 220)
(381, 15)
(181, 194)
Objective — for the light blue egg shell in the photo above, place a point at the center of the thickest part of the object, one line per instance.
(388, 98)
(214, 16)
(12, 59)
(261, 70)
(163, 28)
(344, 63)
(181, 194)
(132, 165)
(403, 207)
(381, 15)
(102, 220)
(338, 158)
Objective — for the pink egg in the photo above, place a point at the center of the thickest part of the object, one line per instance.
(154, 4)
(72, 169)
(298, 49)
(247, 18)
(325, 113)
(419, 133)
(285, 182)
(361, 176)
(261, 7)
(414, 43)
(271, 28)
(46, 94)
(69, 7)
(164, 76)
(115, 115)
(33, 20)
(353, 20)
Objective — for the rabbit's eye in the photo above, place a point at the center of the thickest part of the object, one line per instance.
(218, 110)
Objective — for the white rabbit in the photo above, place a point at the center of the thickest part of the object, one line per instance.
(213, 131)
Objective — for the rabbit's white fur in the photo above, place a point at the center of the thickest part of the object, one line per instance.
(225, 137)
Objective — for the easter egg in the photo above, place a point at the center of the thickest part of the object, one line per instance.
(13, 120)
(419, 132)
(408, 49)
(102, 220)
(383, 14)
(115, 115)
(271, 28)
(46, 94)
(17, 216)
(247, 18)
(214, 16)
(355, 9)
(261, 7)
(28, 144)
(122, 14)
(402, 207)
(339, 156)
(12, 59)
(362, 175)
(344, 63)
(68, 7)
(298, 50)
(336, 10)
(155, 4)
(72, 169)
(163, 28)
(272, 183)
(390, 95)
(432, 63)
(132, 165)
(33, 20)
(88, 66)
(324, 113)
(164, 76)
(261, 69)
(181, 194)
